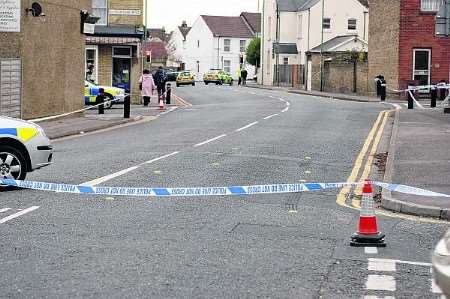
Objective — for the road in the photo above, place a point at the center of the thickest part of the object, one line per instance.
(279, 246)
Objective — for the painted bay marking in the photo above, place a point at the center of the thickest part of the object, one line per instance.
(380, 283)
(247, 126)
(210, 140)
(270, 116)
(370, 250)
(4, 210)
(401, 262)
(18, 214)
(125, 171)
(383, 265)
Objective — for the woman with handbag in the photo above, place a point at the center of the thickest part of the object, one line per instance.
(147, 86)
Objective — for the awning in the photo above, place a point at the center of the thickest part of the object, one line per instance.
(285, 48)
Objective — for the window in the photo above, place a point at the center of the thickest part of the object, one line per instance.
(91, 64)
(100, 9)
(285, 60)
(198, 43)
(299, 26)
(226, 45)
(430, 5)
(242, 46)
(122, 52)
(326, 23)
(227, 66)
(351, 24)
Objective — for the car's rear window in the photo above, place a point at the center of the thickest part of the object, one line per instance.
(185, 74)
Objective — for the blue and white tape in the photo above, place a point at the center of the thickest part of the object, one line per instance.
(205, 191)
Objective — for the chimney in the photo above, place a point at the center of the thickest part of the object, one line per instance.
(184, 24)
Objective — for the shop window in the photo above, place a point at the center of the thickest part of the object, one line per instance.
(91, 64)
(100, 9)
(122, 52)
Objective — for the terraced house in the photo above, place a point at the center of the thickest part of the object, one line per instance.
(113, 49)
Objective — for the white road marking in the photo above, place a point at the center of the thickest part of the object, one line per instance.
(402, 262)
(210, 140)
(376, 297)
(4, 210)
(18, 214)
(370, 250)
(380, 283)
(247, 126)
(285, 110)
(384, 265)
(270, 116)
(122, 172)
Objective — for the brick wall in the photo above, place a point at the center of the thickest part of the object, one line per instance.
(384, 30)
(52, 53)
(418, 31)
(128, 5)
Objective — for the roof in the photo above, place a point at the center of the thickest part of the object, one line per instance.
(299, 5)
(184, 30)
(253, 20)
(285, 48)
(123, 31)
(308, 4)
(228, 26)
(158, 49)
(332, 44)
(159, 33)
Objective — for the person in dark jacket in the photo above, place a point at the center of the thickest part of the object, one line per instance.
(160, 81)
(244, 74)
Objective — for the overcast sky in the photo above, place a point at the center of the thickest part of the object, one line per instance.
(170, 13)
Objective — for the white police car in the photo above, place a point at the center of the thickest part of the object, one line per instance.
(24, 147)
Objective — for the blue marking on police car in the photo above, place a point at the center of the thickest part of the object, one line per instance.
(8, 131)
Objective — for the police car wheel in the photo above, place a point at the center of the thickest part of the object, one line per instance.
(108, 105)
(12, 163)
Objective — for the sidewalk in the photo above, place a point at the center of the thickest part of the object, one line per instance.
(90, 120)
(338, 96)
(419, 155)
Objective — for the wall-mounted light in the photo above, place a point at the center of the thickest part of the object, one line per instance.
(36, 10)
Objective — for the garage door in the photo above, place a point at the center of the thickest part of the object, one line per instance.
(10, 87)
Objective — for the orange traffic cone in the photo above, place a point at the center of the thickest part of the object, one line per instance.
(161, 103)
(368, 234)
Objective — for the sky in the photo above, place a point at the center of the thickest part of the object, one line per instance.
(170, 13)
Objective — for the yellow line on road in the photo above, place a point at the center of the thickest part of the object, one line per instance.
(183, 101)
(344, 191)
(368, 167)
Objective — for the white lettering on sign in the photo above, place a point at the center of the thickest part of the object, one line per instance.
(9, 15)
(125, 12)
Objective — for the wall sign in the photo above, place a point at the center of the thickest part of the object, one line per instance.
(9, 15)
(125, 12)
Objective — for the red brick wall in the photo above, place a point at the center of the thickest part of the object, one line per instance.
(417, 30)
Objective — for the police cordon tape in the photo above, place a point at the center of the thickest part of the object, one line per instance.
(205, 191)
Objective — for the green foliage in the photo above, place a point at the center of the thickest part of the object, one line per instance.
(254, 52)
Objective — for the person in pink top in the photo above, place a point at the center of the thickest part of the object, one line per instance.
(147, 86)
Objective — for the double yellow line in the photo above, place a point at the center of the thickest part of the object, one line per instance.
(374, 138)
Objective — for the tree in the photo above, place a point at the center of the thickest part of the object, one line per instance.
(254, 52)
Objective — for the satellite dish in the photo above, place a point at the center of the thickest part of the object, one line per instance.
(36, 9)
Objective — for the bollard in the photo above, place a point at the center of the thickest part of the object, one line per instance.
(100, 100)
(410, 99)
(383, 90)
(442, 93)
(168, 93)
(378, 84)
(126, 107)
(433, 94)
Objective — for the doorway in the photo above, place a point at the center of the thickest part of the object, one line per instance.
(121, 73)
(422, 66)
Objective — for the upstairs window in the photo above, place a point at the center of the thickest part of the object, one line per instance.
(242, 46)
(326, 23)
(226, 45)
(351, 24)
(100, 10)
(430, 5)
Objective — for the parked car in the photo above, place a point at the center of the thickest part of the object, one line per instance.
(113, 95)
(218, 77)
(172, 76)
(186, 78)
(441, 264)
(24, 147)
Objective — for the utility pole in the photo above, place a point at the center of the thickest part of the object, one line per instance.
(321, 48)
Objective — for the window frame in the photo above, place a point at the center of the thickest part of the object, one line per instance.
(225, 66)
(431, 3)
(95, 49)
(240, 45)
(225, 46)
(329, 24)
(355, 24)
(101, 21)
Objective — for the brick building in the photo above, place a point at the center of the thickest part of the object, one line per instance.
(113, 50)
(403, 45)
(41, 57)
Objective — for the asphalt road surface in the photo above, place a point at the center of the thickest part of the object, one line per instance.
(277, 246)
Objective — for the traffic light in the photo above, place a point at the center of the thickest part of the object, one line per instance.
(148, 55)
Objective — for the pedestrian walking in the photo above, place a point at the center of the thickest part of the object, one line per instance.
(160, 81)
(238, 74)
(244, 74)
(147, 86)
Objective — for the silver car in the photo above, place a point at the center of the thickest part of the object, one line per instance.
(24, 147)
(441, 264)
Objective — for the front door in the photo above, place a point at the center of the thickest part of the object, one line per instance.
(422, 66)
(121, 74)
